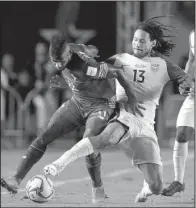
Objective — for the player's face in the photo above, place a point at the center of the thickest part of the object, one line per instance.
(61, 63)
(141, 44)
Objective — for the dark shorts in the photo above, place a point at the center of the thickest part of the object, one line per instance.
(69, 116)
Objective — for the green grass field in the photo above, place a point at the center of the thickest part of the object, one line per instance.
(122, 181)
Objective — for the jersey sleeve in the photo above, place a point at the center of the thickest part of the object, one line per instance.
(99, 71)
(175, 72)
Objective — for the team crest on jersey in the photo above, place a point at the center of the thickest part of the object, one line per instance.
(155, 67)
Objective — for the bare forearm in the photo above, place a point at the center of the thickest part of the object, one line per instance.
(126, 84)
(119, 74)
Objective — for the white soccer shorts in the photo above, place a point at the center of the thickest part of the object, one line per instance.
(186, 113)
(140, 142)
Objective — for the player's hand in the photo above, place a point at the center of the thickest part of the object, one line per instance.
(184, 89)
(92, 51)
(57, 82)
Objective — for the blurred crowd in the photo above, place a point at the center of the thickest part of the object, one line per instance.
(32, 82)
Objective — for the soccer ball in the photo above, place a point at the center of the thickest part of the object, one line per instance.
(40, 189)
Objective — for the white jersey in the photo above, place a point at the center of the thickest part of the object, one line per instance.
(147, 76)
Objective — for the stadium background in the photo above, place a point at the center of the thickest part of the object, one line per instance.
(107, 25)
(27, 103)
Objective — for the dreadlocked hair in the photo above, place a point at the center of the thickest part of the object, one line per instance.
(57, 46)
(156, 32)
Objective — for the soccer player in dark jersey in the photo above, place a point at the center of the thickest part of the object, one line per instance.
(147, 72)
(92, 104)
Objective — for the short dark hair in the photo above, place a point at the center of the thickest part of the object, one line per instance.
(57, 46)
(156, 32)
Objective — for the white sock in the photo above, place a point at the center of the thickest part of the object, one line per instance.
(81, 149)
(180, 154)
(146, 190)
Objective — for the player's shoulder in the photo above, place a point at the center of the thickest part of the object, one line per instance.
(165, 59)
(170, 64)
(159, 59)
(158, 56)
(124, 55)
(120, 55)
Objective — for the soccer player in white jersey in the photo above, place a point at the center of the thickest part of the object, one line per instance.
(146, 73)
(184, 129)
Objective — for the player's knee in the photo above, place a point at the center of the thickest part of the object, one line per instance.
(156, 187)
(183, 134)
(97, 142)
(102, 141)
(93, 159)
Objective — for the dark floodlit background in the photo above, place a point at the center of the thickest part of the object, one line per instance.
(27, 103)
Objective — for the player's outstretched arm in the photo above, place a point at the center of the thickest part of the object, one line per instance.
(177, 74)
(184, 80)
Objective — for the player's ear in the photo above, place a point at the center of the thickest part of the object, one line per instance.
(154, 42)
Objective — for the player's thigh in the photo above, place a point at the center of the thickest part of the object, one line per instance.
(111, 135)
(62, 122)
(132, 123)
(184, 133)
(97, 121)
(153, 175)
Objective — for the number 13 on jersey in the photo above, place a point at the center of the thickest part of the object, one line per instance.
(138, 75)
